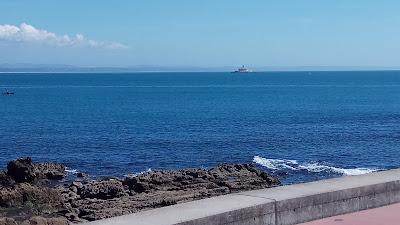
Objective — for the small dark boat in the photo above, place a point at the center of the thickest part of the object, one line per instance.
(7, 92)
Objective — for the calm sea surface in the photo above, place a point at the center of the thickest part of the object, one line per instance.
(300, 126)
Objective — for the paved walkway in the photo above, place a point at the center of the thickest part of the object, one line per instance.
(388, 215)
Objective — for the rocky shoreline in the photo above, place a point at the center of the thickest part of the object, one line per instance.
(34, 194)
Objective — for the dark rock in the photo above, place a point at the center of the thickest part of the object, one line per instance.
(5, 180)
(25, 171)
(168, 202)
(51, 171)
(81, 175)
(21, 170)
(71, 216)
(130, 182)
(102, 189)
(235, 177)
(141, 187)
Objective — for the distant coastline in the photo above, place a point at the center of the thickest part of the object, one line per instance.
(28, 68)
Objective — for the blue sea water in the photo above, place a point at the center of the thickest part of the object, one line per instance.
(299, 126)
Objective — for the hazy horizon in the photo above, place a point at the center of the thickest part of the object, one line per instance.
(28, 67)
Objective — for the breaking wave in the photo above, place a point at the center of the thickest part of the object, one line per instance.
(69, 170)
(293, 165)
(138, 174)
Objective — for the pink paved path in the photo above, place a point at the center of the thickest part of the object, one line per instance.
(388, 215)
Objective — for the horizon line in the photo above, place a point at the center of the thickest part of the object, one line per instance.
(181, 71)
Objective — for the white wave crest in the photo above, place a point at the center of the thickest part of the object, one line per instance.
(279, 164)
(275, 164)
(73, 171)
(138, 174)
(316, 168)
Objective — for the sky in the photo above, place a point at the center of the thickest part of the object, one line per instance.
(206, 33)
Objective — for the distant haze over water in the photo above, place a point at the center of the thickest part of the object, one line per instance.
(61, 68)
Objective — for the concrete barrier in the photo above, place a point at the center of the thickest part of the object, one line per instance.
(285, 205)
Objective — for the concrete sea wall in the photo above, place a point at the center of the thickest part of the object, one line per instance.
(284, 205)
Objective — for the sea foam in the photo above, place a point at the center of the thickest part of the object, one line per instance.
(69, 170)
(284, 164)
(138, 173)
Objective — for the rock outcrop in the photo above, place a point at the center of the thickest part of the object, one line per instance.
(25, 195)
(45, 221)
(224, 178)
(23, 189)
(25, 171)
(7, 221)
(50, 171)
(21, 170)
(35, 197)
(107, 189)
(35, 221)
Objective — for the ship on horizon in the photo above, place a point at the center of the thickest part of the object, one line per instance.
(242, 69)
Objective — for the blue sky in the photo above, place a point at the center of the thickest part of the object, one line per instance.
(209, 33)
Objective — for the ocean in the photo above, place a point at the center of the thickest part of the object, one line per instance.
(299, 126)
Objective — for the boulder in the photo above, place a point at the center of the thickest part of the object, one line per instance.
(81, 175)
(21, 170)
(25, 171)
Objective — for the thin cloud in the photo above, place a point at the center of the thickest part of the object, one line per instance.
(29, 34)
